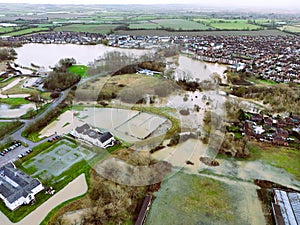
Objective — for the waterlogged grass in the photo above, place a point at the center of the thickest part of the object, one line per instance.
(281, 157)
(192, 199)
(78, 69)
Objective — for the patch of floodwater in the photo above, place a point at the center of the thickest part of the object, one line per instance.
(7, 112)
(249, 170)
(197, 70)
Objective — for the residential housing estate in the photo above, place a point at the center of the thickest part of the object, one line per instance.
(93, 136)
(16, 187)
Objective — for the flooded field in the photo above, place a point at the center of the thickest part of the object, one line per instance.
(205, 201)
(7, 112)
(250, 170)
(35, 53)
(128, 125)
(197, 70)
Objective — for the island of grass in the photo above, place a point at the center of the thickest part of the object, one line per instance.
(79, 70)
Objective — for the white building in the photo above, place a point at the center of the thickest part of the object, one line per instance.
(16, 187)
(93, 136)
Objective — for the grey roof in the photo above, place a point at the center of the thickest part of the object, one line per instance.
(106, 136)
(289, 203)
(14, 183)
(94, 133)
(85, 127)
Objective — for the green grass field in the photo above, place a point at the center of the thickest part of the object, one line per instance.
(212, 33)
(281, 157)
(78, 69)
(144, 25)
(28, 31)
(4, 30)
(180, 24)
(221, 24)
(92, 28)
(294, 29)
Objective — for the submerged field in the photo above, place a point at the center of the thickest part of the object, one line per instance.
(193, 199)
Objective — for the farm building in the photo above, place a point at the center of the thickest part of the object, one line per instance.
(93, 136)
(16, 187)
(286, 209)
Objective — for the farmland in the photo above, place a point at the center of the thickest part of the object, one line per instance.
(293, 29)
(221, 24)
(93, 28)
(193, 33)
(27, 31)
(179, 24)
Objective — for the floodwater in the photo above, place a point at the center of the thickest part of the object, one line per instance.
(7, 112)
(249, 170)
(49, 54)
(197, 70)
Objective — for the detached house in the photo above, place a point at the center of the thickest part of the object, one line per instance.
(16, 187)
(93, 136)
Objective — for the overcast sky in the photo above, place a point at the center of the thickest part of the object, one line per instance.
(292, 4)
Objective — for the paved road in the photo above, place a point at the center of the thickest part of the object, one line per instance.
(17, 135)
(13, 155)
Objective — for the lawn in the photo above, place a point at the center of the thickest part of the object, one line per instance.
(180, 24)
(281, 157)
(192, 199)
(14, 102)
(78, 69)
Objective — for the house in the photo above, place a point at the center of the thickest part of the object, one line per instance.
(286, 207)
(16, 187)
(93, 136)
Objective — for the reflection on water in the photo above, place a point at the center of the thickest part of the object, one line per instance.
(49, 54)
(7, 112)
